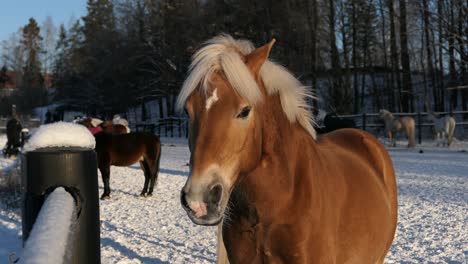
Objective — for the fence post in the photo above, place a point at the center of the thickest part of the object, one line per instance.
(172, 126)
(419, 127)
(74, 169)
(180, 127)
(364, 117)
(165, 127)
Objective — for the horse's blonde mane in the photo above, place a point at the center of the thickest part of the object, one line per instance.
(222, 53)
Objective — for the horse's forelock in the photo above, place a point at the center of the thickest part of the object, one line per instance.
(224, 53)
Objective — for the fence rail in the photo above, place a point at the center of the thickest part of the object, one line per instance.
(167, 127)
(419, 118)
(178, 127)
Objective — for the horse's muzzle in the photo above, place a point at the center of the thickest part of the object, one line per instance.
(207, 211)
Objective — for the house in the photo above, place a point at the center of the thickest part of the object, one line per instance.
(13, 82)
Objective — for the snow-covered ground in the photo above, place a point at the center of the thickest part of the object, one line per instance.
(433, 211)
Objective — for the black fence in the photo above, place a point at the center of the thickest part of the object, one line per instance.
(178, 127)
(74, 170)
(167, 127)
(372, 123)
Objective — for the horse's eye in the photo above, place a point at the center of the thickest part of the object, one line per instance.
(244, 113)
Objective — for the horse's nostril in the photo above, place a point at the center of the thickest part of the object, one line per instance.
(215, 194)
(183, 200)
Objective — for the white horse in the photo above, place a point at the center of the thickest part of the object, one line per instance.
(394, 124)
(444, 128)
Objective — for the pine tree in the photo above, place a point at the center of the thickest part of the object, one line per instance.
(31, 42)
(3, 77)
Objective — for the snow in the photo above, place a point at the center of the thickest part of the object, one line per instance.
(47, 242)
(433, 211)
(60, 134)
(5, 164)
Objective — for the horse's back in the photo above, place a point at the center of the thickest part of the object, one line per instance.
(360, 145)
(126, 149)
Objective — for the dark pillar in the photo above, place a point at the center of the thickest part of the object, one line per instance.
(75, 169)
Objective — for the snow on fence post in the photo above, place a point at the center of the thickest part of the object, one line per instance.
(61, 155)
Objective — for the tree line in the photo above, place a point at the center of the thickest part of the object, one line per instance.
(358, 55)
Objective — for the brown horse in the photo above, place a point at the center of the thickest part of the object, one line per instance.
(393, 125)
(282, 195)
(125, 150)
(107, 126)
(116, 129)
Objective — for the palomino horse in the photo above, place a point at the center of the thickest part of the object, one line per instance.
(394, 124)
(127, 149)
(444, 128)
(282, 195)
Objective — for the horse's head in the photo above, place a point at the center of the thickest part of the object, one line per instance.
(384, 114)
(224, 134)
(229, 91)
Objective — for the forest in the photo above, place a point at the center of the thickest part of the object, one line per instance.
(357, 55)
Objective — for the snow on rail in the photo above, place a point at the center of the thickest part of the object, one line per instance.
(48, 239)
(60, 134)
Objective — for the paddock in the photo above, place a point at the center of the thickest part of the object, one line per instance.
(433, 211)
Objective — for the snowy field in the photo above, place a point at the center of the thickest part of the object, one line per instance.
(433, 211)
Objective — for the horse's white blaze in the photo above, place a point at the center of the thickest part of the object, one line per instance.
(212, 99)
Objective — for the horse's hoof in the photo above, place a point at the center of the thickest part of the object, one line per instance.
(142, 194)
(105, 197)
(149, 195)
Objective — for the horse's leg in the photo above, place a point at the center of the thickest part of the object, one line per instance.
(144, 167)
(154, 170)
(392, 139)
(105, 173)
(389, 135)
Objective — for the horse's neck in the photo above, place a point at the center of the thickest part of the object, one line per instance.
(287, 151)
(388, 119)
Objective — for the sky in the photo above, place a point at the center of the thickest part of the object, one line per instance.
(16, 13)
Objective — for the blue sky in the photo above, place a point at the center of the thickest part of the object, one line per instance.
(16, 13)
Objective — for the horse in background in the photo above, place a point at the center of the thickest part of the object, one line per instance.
(96, 125)
(281, 194)
(116, 129)
(444, 128)
(124, 150)
(393, 125)
(118, 120)
(13, 130)
(331, 122)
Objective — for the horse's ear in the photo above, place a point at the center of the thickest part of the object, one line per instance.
(257, 58)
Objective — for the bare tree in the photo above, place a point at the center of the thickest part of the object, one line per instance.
(49, 36)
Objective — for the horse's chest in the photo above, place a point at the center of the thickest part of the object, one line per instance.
(247, 243)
